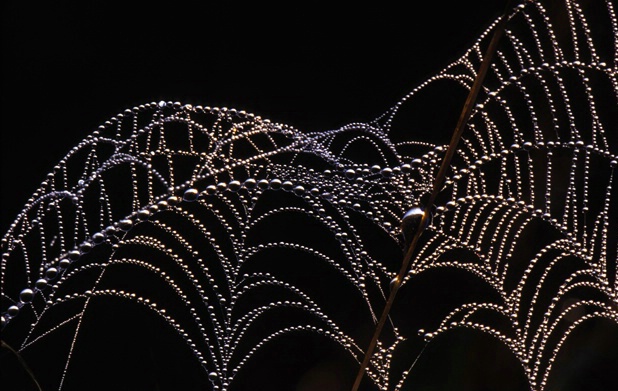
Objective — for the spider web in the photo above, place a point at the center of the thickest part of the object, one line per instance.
(248, 244)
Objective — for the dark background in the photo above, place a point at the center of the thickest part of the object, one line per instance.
(69, 66)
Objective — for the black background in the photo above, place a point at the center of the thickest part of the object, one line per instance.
(69, 66)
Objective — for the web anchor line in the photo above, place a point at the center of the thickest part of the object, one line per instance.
(437, 187)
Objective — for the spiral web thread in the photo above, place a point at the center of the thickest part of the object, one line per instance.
(206, 208)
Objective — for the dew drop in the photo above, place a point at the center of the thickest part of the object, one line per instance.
(51, 273)
(13, 310)
(41, 283)
(26, 295)
(234, 186)
(275, 184)
(190, 195)
(98, 238)
(411, 221)
(263, 184)
(250, 183)
(125, 224)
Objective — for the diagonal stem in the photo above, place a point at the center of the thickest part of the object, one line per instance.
(438, 183)
(23, 363)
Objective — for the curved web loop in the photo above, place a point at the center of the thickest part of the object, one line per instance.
(238, 236)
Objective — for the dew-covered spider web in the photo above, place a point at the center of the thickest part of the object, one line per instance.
(254, 255)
